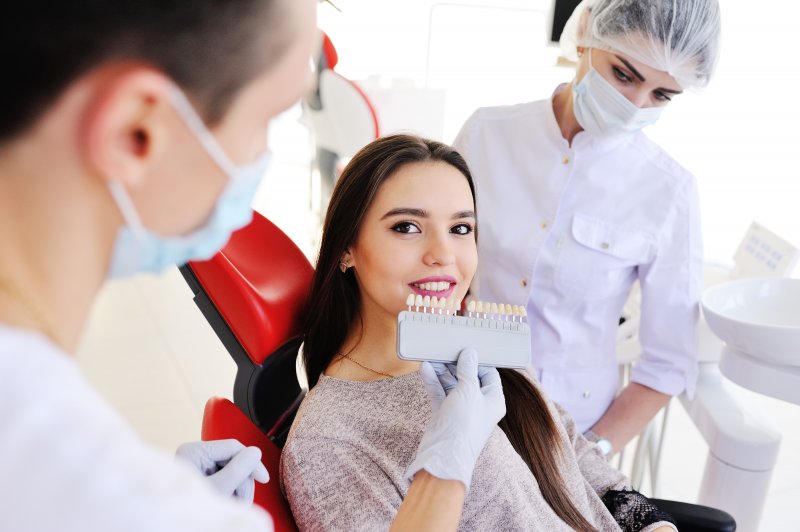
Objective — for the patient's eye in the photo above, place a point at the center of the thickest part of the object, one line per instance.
(406, 228)
(461, 229)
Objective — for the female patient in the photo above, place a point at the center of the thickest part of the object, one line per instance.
(401, 220)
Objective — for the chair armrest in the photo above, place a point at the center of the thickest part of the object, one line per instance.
(697, 518)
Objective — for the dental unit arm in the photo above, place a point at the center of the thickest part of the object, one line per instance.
(434, 332)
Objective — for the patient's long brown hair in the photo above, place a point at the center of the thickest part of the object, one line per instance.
(334, 305)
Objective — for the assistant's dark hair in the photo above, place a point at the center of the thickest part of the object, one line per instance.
(334, 305)
(211, 48)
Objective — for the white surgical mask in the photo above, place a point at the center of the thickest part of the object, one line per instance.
(603, 111)
(138, 249)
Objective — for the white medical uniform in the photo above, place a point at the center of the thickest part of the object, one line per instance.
(566, 230)
(68, 462)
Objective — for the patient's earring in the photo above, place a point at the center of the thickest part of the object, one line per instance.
(343, 266)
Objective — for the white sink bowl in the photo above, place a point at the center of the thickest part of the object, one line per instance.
(760, 317)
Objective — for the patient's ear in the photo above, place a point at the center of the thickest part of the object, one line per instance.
(346, 261)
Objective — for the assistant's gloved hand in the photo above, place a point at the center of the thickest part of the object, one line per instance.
(467, 402)
(230, 466)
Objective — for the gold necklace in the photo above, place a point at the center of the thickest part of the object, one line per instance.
(31, 308)
(357, 363)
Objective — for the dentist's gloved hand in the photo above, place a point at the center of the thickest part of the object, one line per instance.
(230, 466)
(467, 402)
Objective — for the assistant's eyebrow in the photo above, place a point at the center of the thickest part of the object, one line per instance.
(639, 75)
(630, 67)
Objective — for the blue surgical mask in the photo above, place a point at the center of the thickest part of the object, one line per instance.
(138, 249)
(603, 111)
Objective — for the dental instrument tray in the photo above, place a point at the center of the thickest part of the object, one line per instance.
(433, 331)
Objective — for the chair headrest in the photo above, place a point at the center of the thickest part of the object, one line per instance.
(259, 284)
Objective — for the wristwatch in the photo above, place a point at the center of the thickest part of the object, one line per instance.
(603, 443)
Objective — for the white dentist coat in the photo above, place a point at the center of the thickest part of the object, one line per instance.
(69, 463)
(566, 230)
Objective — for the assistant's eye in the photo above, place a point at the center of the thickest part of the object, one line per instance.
(406, 228)
(661, 96)
(461, 229)
(622, 76)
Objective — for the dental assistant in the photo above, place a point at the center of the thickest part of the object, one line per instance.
(577, 204)
(132, 139)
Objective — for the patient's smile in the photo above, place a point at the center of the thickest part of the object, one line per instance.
(439, 286)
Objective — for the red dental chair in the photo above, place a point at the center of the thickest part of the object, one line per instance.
(252, 293)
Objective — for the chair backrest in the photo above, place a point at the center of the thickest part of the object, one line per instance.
(252, 293)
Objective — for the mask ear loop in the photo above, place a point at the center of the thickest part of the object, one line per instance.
(127, 209)
(189, 115)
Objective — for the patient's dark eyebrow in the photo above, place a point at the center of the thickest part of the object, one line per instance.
(464, 214)
(421, 213)
(407, 211)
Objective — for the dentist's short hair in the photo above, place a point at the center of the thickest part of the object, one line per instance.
(211, 48)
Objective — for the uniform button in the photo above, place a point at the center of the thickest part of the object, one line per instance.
(524, 283)
(605, 245)
(587, 394)
(543, 225)
(565, 160)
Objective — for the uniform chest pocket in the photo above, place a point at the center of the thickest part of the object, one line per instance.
(596, 258)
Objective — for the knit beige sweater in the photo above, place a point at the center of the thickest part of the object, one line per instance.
(343, 464)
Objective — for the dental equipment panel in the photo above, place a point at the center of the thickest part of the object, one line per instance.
(434, 331)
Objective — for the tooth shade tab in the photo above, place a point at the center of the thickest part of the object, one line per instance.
(426, 301)
(479, 306)
(493, 309)
(471, 306)
(434, 302)
(418, 301)
(501, 309)
(410, 300)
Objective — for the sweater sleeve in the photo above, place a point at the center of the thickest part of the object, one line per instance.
(339, 488)
(600, 474)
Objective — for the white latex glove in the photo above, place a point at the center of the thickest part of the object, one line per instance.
(467, 402)
(231, 467)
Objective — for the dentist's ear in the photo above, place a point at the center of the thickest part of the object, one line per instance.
(123, 129)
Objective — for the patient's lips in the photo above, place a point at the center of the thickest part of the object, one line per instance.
(439, 286)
